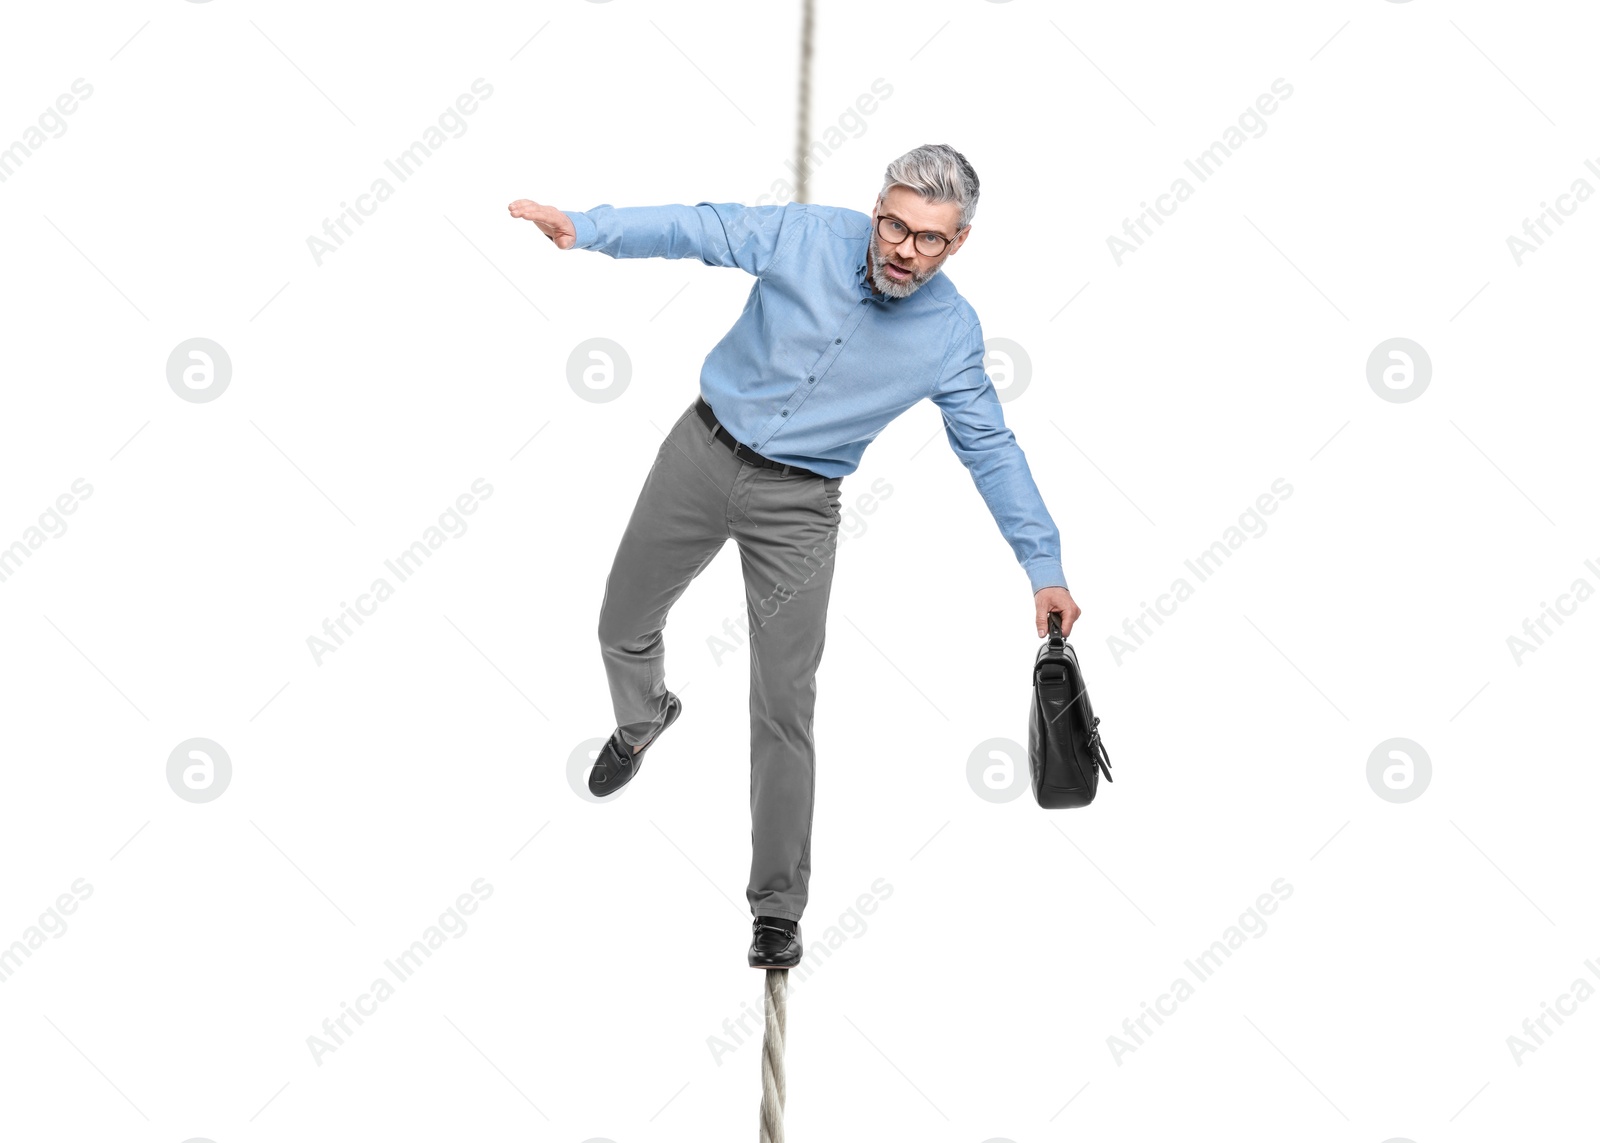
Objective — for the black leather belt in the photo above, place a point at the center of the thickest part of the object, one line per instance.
(744, 452)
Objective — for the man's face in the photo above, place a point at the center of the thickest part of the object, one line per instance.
(919, 216)
(885, 261)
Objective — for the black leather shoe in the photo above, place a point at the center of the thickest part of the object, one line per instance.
(617, 763)
(774, 946)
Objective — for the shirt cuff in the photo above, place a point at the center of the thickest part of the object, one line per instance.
(1045, 573)
(583, 227)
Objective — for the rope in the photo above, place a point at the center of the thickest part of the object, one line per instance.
(773, 1083)
(802, 157)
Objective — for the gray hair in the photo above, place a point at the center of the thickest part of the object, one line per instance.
(939, 173)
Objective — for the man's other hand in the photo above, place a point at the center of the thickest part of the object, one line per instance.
(556, 226)
(1048, 599)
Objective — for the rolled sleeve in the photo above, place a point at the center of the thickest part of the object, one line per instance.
(978, 435)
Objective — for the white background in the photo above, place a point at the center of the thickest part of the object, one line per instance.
(976, 1001)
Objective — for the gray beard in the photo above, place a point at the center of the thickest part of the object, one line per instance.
(888, 285)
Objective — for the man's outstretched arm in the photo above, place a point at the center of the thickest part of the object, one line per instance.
(978, 435)
(718, 234)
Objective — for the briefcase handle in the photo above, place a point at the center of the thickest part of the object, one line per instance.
(1056, 638)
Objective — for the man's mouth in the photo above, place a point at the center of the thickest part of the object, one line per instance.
(896, 272)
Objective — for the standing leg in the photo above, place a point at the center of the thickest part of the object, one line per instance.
(787, 528)
(678, 524)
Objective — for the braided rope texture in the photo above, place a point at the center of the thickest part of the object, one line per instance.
(773, 1081)
(802, 190)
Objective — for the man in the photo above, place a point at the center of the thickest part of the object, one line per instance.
(850, 322)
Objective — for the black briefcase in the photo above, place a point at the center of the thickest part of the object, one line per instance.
(1064, 748)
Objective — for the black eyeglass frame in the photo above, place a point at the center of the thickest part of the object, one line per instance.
(914, 235)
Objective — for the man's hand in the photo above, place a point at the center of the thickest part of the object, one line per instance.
(556, 226)
(1048, 599)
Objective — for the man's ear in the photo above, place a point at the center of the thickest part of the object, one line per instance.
(960, 239)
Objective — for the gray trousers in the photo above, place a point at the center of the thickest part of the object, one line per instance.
(786, 525)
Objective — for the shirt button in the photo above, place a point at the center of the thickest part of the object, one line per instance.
(784, 413)
(838, 341)
(811, 378)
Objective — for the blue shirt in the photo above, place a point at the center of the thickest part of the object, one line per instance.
(819, 363)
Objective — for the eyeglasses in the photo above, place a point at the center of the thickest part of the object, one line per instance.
(930, 243)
